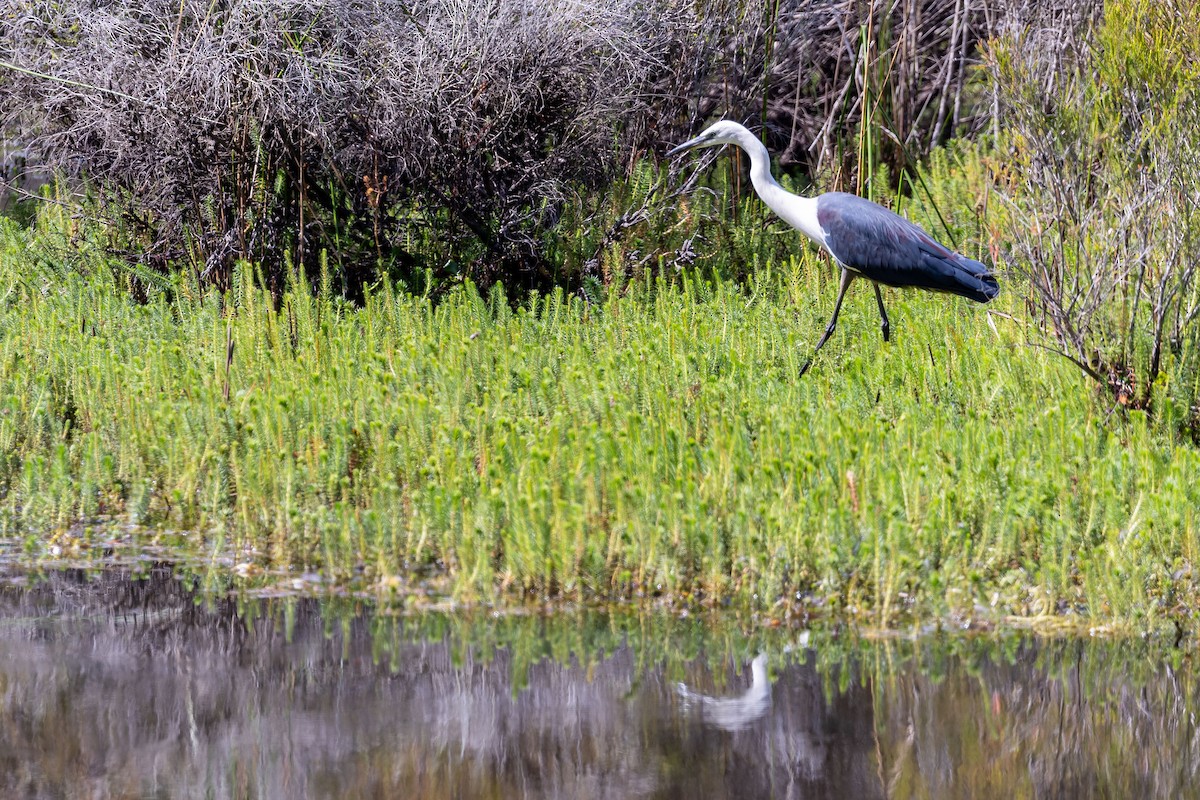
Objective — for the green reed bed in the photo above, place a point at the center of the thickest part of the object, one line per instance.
(657, 444)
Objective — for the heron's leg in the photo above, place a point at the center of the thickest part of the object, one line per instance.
(847, 279)
(884, 327)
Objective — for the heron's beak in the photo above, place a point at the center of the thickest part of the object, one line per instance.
(688, 145)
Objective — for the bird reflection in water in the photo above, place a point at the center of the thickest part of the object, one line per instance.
(733, 713)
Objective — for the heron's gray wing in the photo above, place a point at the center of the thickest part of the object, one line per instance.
(885, 247)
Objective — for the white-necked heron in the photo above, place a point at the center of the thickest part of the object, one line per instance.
(864, 238)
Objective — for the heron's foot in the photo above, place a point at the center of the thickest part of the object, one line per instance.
(824, 338)
(883, 318)
(820, 343)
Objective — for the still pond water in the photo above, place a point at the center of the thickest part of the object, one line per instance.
(120, 688)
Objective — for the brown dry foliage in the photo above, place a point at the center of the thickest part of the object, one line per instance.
(249, 129)
(805, 69)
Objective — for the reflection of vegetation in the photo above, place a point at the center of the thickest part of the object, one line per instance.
(1059, 719)
(136, 688)
(661, 641)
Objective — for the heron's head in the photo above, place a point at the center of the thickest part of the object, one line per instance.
(719, 133)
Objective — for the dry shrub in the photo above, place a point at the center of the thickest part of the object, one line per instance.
(814, 73)
(396, 134)
(1103, 120)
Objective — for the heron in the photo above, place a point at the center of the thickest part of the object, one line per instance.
(862, 237)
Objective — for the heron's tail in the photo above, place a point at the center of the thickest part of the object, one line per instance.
(973, 280)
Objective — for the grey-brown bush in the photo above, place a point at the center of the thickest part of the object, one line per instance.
(811, 72)
(259, 128)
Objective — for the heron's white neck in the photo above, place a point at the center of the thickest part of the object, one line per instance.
(799, 212)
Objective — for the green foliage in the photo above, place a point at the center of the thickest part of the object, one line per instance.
(652, 442)
(633, 233)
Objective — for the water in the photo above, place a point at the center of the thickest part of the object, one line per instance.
(119, 688)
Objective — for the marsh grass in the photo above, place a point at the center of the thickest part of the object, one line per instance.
(653, 443)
